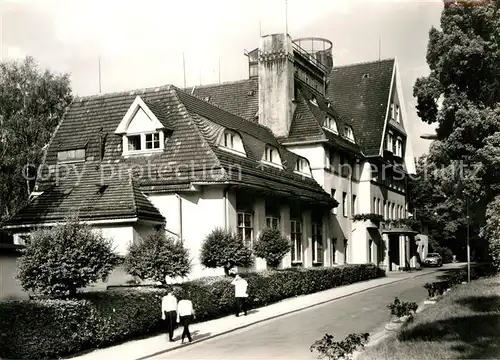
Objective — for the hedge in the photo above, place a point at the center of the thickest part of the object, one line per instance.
(51, 328)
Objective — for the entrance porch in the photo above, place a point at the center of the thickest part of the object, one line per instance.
(400, 249)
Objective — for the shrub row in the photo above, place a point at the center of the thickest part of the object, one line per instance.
(51, 328)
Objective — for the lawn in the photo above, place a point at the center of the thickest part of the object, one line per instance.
(465, 324)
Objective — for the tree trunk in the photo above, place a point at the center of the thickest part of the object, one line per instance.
(226, 270)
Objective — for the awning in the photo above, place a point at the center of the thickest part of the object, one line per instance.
(400, 231)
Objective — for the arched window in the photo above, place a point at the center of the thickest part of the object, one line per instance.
(272, 156)
(231, 140)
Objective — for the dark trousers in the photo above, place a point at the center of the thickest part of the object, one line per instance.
(185, 321)
(241, 305)
(170, 317)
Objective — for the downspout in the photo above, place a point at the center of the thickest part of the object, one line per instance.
(180, 216)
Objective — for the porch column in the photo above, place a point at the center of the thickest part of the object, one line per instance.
(402, 251)
(327, 243)
(285, 229)
(307, 239)
(385, 255)
(259, 219)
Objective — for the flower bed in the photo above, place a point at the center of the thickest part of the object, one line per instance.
(52, 328)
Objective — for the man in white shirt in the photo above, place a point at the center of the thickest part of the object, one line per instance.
(168, 312)
(240, 294)
(185, 314)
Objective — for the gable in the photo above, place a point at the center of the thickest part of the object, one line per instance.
(139, 118)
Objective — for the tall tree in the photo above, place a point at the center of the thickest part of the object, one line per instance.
(460, 95)
(32, 102)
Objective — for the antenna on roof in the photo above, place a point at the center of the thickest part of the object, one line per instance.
(1, 36)
(184, 68)
(379, 46)
(286, 17)
(99, 66)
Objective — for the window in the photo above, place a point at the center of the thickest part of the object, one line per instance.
(317, 243)
(254, 70)
(374, 205)
(296, 237)
(399, 147)
(302, 166)
(144, 142)
(330, 124)
(394, 147)
(334, 250)
(153, 141)
(71, 155)
(272, 222)
(379, 207)
(386, 212)
(232, 141)
(228, 139)
(332, 192)
(397, 115)
(392, 211)
(245, 227)
(344, 204)
(392, 111)
(389, 142)
(348, 133)
(272, 155)
(354, 205)
(370, 245)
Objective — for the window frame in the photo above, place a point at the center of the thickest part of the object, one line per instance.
(333, 194)
(296, 240)
(270, 220)
(268, 156)
(242, 226)
(345, 204)
(71, 159)
(143, 142)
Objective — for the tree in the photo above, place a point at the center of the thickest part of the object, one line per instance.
(58, 261)
(222, 248)
(460, 95)
(272, 246)
(32, 103)
(157, 256)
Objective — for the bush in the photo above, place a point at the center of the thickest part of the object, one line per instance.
(333, 350)
(222, 248)
(272, 246)
(402, 308)
(59, 261)
(159, 255)
(47, 329)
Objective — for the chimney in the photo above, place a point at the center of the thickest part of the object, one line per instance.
(276, 83)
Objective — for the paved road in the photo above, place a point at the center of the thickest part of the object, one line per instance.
(290, 336)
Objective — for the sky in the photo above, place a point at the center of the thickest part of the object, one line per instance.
(143, 43)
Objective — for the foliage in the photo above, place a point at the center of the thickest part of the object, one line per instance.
(32, 102)
(222, 248)
(492, 230)
(436, 288)
(404, 223)
(157, 256)
(329, 349)
(446, 253)
(402, 308)
(59, 261)
(375, 218)
(97, 319)
(461, 95)
(271, 245)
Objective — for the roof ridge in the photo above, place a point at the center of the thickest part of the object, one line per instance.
(124, 92)
(364, 63)
(230, 82)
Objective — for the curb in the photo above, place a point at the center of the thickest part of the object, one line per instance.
(280, 315)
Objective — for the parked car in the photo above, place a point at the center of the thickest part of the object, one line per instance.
(433, 259)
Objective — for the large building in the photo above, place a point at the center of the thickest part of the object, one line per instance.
(300, 145)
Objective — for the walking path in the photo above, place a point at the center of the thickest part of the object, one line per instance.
(145, 348)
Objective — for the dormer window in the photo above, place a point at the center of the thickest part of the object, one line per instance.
(272, 156)
(141, 131)
(389, 141)
(330, 124)
(231, 141)
(302, 167)
(348, 134)
(397, 114)
(71, 155)
(399, 147)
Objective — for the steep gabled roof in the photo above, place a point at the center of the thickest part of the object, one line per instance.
(360, 92)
